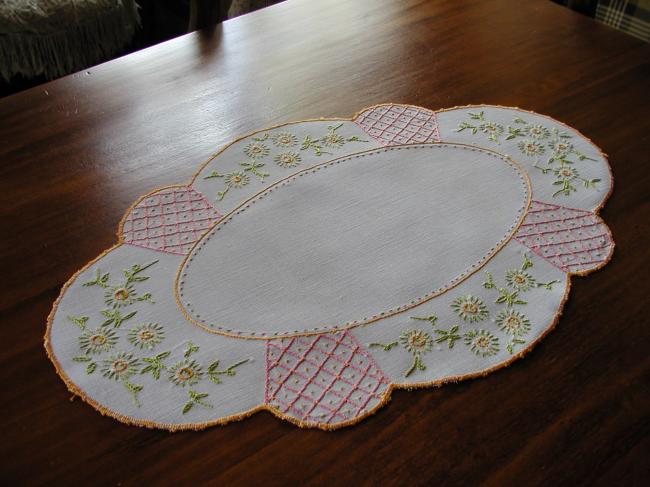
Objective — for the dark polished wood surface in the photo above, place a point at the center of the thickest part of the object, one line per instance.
(76, 152)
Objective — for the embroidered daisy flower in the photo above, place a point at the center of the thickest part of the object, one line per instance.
(491, 128)
(416, 341)
(97, 341)
(537, 132)
(482, 342)
(256, 150)
(566, 173)
(522, 281)
(287, 159)
(147, 335)
(469, 308)
(236, 180)
(120, 366)
(332, 139)
(560, 147)
(512, 322)
(186, 372)
(118, 296)
(284, 139)
(531, 148)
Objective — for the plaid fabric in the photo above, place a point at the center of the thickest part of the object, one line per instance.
(631, 16)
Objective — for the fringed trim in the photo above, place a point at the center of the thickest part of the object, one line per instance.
(77, 47)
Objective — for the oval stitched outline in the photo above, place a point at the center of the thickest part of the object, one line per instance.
(469, 271)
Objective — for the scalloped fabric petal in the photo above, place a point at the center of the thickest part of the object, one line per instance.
(169, 220)
(323, 379)
(399, 124)
(575, 241)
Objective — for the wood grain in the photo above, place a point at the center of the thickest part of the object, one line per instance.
(76, 152)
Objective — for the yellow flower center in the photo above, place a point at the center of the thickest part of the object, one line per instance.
(512, 322)
(120, 365)
(470, 308)
(417, 340)
(482, 342)
(98, 340)
(519, 279)
(185, 373)
(146, 335)
(121, 294)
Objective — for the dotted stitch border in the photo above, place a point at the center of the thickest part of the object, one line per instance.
(178, 289)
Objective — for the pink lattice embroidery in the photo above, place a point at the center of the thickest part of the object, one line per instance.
(572, 240)
(399, 124)
(170, 220)
(326, 379)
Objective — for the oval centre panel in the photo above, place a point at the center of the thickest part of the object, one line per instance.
(353, 240)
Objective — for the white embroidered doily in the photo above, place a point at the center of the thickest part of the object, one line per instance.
(310, 268)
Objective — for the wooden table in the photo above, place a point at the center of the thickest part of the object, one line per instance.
(76, 152)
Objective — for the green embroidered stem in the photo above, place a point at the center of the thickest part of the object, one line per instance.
(134, 390)
(510, 298)
(312, 144)
(489, 281)
(235, 179)
(100, 280)
(155, 364)
(450, 336)
(465, 125)
(230, 371)
(191, 348)
(417, 364)
(115, 317)
(132, 273)
(547, 285)
(513, 343)
(253, 167)
(386, 346)
(431, 319)
(80, 321)
(196, 398)
(261, 139)
(527, 263)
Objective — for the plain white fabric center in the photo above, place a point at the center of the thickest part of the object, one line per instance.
(353, 240)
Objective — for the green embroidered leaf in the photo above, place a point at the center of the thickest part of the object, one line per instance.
(489, 282)
(91, 368)
(213, 371)
(387, 347)
(81, 358)
(527, 263)
(431, 319)
(214, 174)
(196, 398)
(100, 280)
(448, 336)
(80, 321)
(115, 317)
(155, 364)
(191, 348)
(547, 285)
(134, 389)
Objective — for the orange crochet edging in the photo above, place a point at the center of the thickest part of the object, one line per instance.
(387, 394)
